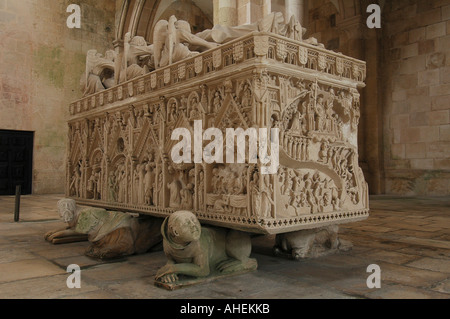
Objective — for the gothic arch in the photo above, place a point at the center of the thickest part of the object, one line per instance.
(140, 16)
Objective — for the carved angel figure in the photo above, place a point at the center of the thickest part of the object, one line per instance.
(137, 58)
(173, 42)
(99, 72)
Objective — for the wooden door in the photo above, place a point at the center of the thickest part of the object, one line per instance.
(16, 161)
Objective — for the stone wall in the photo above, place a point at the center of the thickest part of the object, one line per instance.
(41, 62)
(341, 26)
(404, 139)
(416, 66)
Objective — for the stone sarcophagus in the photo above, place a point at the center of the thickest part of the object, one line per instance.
(120, 138)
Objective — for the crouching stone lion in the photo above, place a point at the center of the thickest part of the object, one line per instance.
(310, 243)
(111, 234)
(196, 251)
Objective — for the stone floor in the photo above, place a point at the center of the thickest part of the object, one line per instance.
(408, 238)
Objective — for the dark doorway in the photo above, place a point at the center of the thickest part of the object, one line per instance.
(16, 161)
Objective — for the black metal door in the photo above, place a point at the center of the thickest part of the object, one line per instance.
(16, 161)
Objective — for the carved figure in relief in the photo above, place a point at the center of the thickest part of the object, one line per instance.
(191, 177)
(266, 198)
(187, 195)
(140, 172)
(288, 185)
(326, 193)
(320, 114)
(75, 184)
(99, 73)
(183, 105)
(196, 251)
(121, 181)
(195, 113)
(217, 102)
(201, 189)
(323, 153)
(346, 101)
(159, 189)
(308, 192)
(355, 110)
(298, 184)
(311, 116)
(282, 178)
(246, 95)
(172, 114)
(316, 189)
(330, 114)
(228, 180)
(149, 182)
(354, 195)
(255, 194)
(93, 185)
(112, 190)
(174, 187)
(216, 181)
(221, 204)
(297, 124)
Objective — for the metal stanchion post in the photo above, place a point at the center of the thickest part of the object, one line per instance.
(17, 206)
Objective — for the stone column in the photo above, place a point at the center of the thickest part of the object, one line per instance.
(295, 8)
(225, 12)
(266, 7)
(249, 11)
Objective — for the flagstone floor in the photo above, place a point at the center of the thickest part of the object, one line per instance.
(408, 238)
